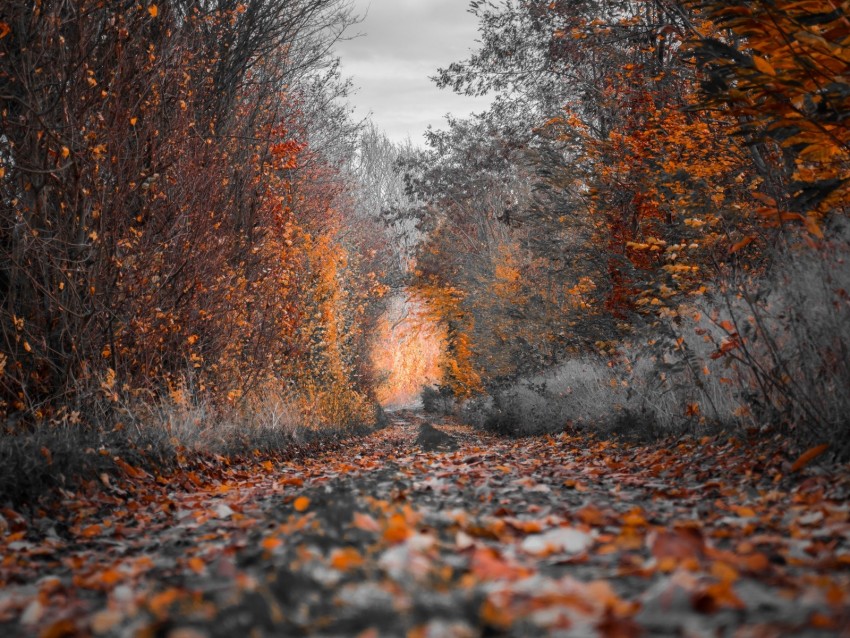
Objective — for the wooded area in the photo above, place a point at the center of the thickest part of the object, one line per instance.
(178, 216)
(656, 202)
(624, 287)
(190, 215)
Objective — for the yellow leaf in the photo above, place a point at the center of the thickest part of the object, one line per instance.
(153, 10)
(133, 121)
(764, 66)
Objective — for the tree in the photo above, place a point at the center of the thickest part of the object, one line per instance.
(165, 189)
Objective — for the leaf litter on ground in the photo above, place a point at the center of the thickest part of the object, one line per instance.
(408, 532)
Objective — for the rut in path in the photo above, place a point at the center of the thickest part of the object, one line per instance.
(433, 529)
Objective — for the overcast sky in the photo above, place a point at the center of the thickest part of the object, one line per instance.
(404, 42)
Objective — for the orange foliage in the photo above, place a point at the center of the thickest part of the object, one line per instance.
(188, 242)
(406, 353)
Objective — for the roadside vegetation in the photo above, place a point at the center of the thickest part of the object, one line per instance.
(648, 230)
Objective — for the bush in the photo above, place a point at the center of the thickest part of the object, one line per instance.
(788, 340)
(772, 353)
(438, 399)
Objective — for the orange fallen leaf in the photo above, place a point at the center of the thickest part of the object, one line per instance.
(487, 564)
(634, 518)
(159, 603)
(724, 572)
(129, 469)
(104, 621)
(365, 522)
(271, 543)
(397, 530)
(819, 620)
(90, 531)
(59, 629)
(527, 527)
(496, 615)
(111, 577)
(744, 511)
(717, 596)
(591, 515)
(197, 565)
(301, 503)
(753, 562)
(677, 544)
(746, 241)
(346, 558)
(808, 456)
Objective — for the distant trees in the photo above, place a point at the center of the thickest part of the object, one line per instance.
(169, 208)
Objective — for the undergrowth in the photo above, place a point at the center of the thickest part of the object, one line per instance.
(158, 439)
(754, 355)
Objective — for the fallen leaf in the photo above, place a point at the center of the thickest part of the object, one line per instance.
(365, 522)
(90, 531)
(487, 564)
(345, 558)
(271, 543)
(105, 621)
(808, 456)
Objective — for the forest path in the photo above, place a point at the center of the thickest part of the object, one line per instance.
(430, 529)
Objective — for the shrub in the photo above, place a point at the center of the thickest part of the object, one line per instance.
(438, 399)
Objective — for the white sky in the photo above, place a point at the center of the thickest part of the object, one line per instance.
(404, 42)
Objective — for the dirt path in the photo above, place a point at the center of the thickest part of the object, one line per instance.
(425, 531)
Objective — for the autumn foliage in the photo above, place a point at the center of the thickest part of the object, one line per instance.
(169, 227)
(652, 168)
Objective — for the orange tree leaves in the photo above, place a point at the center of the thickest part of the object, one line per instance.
(783, 76)
(163, 219)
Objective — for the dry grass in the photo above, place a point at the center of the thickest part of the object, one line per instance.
(157, 437)
(631, 399)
